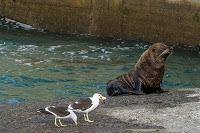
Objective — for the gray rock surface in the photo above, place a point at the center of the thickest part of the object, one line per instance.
(173, 111)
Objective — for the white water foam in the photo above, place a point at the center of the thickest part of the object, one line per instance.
(83, 52)
(121, 48)
(52, 48)
(71, 53)
(93, 48)
(2, 47)
(2, 44)
(19, 61)
(26, 48)
(28, 64)
(84, 57)
(105, 51)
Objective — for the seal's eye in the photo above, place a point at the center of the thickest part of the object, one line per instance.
(153, 49)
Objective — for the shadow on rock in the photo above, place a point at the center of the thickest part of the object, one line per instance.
(163, 100)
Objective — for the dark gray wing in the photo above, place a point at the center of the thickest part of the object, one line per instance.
(60, 111)
(82, 104)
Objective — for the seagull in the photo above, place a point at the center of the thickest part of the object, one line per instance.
(59, 113)
(86, 105)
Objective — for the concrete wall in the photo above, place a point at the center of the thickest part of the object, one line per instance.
(172, 21)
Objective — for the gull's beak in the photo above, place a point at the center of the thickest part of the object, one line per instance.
(103, 99)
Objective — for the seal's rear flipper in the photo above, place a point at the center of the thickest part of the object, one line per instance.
(161, 91)
(113, 91)
(114, 88)
(138, 93)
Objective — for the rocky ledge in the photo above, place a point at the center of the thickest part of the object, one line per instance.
(172, 111)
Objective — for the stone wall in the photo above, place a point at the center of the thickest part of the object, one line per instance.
(172, 21)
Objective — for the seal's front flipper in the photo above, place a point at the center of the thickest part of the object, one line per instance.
(139, 87)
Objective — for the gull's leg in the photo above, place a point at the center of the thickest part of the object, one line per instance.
(56, 122)
(85, 118)
(76, 123)
(88, 120)
(61, 123)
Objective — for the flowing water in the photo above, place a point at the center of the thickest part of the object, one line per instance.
(44, 67)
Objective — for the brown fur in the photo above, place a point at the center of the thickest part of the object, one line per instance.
(151, 66)
(148, 73)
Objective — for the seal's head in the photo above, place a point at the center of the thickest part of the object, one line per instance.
(160, 52)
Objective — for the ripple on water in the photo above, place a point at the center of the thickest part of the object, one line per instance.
(22, 81)
(15, 101)
(188, 71)
(88, 69)
(14, 81)
(25, 81)
(74, 93)
(64, 66)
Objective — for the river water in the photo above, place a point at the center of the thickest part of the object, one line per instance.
(43, 67)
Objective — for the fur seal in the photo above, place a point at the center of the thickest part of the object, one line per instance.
(147, 75)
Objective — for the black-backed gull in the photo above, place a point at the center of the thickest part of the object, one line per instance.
(59, 113)
(86, 105)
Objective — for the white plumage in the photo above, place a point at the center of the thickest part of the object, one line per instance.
(86, 105)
